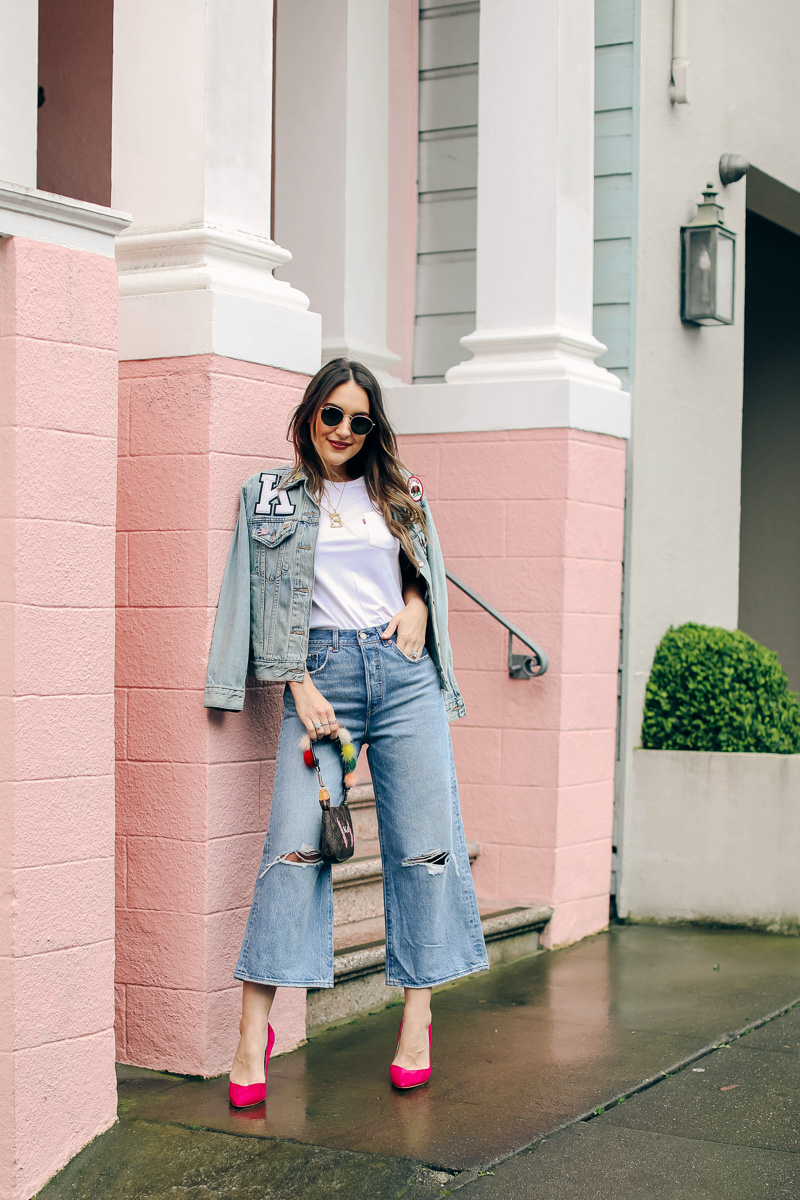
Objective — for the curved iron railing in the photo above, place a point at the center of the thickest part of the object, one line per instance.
(520, 666)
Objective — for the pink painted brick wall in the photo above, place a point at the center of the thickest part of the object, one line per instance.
(532, 519)
(193, 786)
(58, 423)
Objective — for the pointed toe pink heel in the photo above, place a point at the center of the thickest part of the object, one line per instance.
(244, 1095)
(405, 1079)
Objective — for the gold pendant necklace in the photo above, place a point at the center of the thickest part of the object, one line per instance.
(334, 514)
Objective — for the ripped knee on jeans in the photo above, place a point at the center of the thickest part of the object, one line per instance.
(306, 856)
(434, 860)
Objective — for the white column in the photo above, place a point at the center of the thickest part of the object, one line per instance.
(19, 90)
(192, 160)
(331, 152)
(535, 196)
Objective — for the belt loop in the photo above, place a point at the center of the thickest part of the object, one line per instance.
(336, 639)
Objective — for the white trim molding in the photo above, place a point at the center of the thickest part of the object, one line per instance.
(60, 220)
(509, 404)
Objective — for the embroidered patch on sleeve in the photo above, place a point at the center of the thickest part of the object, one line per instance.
(272, 500)
(415, 488)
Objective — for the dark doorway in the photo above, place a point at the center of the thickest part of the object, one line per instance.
(75, 61)
(769, 563)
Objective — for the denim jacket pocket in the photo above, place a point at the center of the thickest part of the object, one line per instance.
(271, 531)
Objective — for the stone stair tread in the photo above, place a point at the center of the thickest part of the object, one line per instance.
(366, 863)
(361, 795)
(358, 933)
(359, 946)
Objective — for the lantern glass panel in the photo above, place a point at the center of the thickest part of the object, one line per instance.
(700, 274)
(724, 285)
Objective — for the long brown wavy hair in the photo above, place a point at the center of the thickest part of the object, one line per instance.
(377, 460)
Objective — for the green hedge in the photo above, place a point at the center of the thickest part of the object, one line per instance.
(717, 689)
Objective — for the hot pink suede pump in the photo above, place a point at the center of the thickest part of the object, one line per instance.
(403, 1078)
(244, 1095)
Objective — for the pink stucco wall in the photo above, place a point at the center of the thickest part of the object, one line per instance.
(193, 786)
(58, 385)
(532, 519)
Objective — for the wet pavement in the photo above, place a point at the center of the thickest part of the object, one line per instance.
(624, 1022)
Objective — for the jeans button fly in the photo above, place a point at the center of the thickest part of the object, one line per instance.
(363, 636)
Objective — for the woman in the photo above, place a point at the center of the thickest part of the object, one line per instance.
(335, 584)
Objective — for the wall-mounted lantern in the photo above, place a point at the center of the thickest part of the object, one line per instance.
(708, 259)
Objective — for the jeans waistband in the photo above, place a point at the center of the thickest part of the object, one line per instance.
(345, 637)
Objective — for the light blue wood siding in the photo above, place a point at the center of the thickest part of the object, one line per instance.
(614, 213)
(447, 184)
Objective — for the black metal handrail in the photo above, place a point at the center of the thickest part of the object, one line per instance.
(520, 666)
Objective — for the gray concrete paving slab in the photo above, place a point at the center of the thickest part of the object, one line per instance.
(136, 1159)
(782, 1035)
(518, 1078)
(594, 1162)
(726, 1127)
(518, 1053)
(736, 1100)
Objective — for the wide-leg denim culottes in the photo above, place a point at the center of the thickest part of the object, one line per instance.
(394, 704)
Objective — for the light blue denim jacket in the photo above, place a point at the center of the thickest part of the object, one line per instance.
(264, 605)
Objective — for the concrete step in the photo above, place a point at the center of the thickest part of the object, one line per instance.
(358, 883)
(361, 802)
(510, 931)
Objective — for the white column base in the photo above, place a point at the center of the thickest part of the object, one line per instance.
(204, 321)
(510, 404)
(201, 289)
(204, 256)
(519, 354)
(379, 360)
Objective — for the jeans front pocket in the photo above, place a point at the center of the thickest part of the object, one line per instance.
(405, 657)
(317, 659)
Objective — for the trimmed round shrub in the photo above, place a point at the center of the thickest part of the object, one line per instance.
(718, 689)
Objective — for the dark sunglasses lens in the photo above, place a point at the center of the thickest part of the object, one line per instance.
(361, 425)
(331, 415)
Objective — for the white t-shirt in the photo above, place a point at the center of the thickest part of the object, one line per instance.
(357, 580)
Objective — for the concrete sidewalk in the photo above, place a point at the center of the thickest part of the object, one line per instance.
(585, 1072)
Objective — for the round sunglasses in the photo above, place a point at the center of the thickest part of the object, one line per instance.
(332, 415)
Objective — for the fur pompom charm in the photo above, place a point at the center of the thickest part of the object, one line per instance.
(308, 753)
(348, 757)
(346, 749)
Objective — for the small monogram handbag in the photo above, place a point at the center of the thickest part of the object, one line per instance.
(337, 840)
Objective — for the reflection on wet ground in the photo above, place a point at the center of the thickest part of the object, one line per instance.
(517, 1052)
